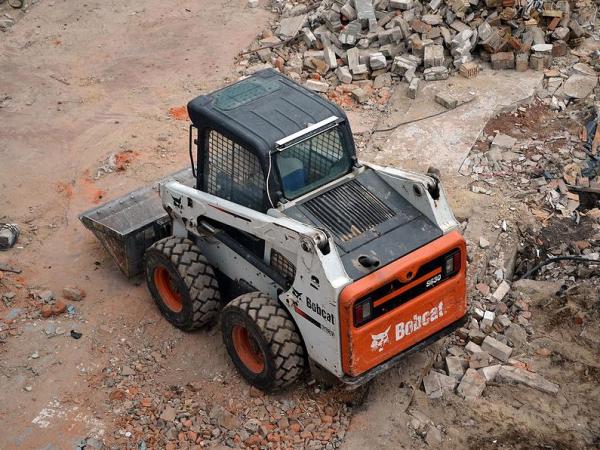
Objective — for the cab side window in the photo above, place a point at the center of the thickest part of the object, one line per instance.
(234, 173)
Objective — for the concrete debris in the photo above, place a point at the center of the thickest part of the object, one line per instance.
(409, 39)
(483, 242)
(73, 293)
(501, 291)
(579, 86)
(446, 99)
(289, 27)
(436, 384)
(496, 348)
(456, 366)
(413, 88)
(516, 375)
(490, 372)
(472, 385)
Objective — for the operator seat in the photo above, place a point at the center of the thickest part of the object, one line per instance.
(292, 173)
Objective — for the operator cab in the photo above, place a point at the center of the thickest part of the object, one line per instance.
(264, 141)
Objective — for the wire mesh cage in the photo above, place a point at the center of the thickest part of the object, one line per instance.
(233, 173)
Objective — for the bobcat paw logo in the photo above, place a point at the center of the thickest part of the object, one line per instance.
(379, 340)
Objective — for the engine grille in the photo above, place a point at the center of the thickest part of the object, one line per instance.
(349, 210)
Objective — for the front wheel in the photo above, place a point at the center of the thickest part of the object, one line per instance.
(182, 282)
(262, 341)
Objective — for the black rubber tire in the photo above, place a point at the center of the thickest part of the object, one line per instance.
(193, 277)
(274, 332)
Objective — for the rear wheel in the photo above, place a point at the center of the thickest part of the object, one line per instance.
(182, 282)
(262, 341)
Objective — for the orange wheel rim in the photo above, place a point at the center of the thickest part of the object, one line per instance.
(247, 349)
(167, 289)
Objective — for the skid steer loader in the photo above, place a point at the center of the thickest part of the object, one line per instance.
(328, 263)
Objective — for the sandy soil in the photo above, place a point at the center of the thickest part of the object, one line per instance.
(83, 81)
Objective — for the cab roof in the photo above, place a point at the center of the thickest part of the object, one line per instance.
(260, 110)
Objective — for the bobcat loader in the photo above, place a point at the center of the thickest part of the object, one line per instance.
(312, 258)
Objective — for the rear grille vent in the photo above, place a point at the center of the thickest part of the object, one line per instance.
(349, 210)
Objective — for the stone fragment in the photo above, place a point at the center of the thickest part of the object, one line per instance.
(516, 334)
(579, 86)
(501, 291)
(436, 73)
(516, 375)
(365, 13)
(317, 86)
(456, 366)
(472, 384)
(433, 438)
(432, 385)
(496, 348)
(479, 359)
(344, 75)
(413, 88)
(446, 100)
(350, 34)
(489, 372)
(360, 95)
(348, 11)
(542, 48)
(383, 80)
(330, 57)
(289, 27)
(472, 347)
(402, 64)
(487, 321)
(483, 242)
(521, 62)
(73, 293)
(377, 61)
(476, 336)
(168, 414)
(252, 3)
(9, 233)
(433, 56)
(503, 60)
(403, 5)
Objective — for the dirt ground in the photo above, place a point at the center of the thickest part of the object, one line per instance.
(90, 108)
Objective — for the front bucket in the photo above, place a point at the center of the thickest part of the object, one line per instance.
(130, 224)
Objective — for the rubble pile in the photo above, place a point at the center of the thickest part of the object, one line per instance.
(179, 416)
(350, 47)
(555, 172)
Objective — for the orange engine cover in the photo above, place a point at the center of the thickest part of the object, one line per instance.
(439, 305)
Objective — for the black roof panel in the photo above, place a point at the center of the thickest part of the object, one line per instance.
(261, 109)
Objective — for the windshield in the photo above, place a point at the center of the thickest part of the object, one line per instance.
(312, 163)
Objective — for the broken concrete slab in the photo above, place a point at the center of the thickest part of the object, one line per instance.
(289, 27)
(516, 334)
(456, 366)
(446, 99)
(501, 291)
(472, 385)
(579, 86)
(516, 375)
(490, 372)
(413, 88)
(496, 348)
(317, 86)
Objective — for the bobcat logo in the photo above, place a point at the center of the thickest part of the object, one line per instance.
(379, 340)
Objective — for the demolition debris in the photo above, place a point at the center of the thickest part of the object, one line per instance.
(347, 48)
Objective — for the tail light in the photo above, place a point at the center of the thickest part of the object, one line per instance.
(363, 311)
(451, 264)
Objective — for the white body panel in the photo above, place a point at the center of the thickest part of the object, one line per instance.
(312, 300)
(319, 278)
